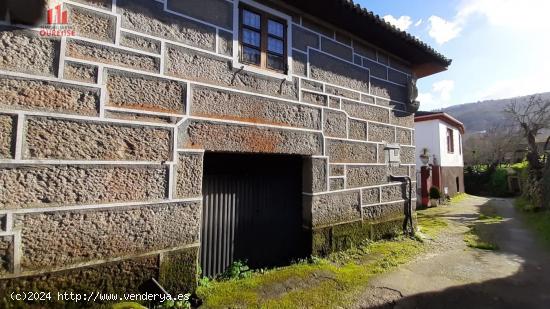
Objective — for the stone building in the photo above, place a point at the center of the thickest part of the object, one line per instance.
(134, 137)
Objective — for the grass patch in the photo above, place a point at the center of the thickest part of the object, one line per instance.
(328, 282)
(430, 224)
(539, 221)
(459, 197)
(474, 241)
(489, 218)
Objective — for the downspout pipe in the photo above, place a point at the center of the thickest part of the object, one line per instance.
(408, 205)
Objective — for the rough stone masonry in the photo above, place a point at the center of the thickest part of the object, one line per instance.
(102, 137)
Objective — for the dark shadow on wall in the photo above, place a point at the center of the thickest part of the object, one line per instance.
(529, 287)
(26, 12)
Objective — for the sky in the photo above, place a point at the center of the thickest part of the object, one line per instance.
(499, 48)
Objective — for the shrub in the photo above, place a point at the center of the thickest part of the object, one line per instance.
(498, 183)
(435, 194)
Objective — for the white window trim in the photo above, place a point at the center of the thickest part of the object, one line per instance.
(251, 68)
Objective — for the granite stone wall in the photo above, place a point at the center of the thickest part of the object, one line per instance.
(102, 137)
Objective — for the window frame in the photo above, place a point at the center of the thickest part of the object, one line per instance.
(450, 141)
(265, 13)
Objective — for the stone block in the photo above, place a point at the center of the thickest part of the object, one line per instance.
(383, 58)
(394, 193)
(7, 136)
(312, 85)
(340, 237)
(404, 136)
(365, 111)
(398, 77)
(337, 170)
(80, 72)
(337, 184)
(341, 151)
(150, 18)
(317, 27)
(331, 70)
(400, 170)
(302, 38)
(110, 55)
(399, 65)
(332, 208)
(370, 196)
(358, 130)
(178, 270)
(388, 90)
(125, 276)
(376, 69)
(364, 176)
(314, 98)
(225, 43)
(335, 124)
(214, 136)
(367, 98)
(342, 38)
(381, 133)
(140, 118)
(315, 175)
(336, 49)
(189, 175)
(222, 104)
(6, 254)
(139, 42)
(402, 118)
(408, 155)
(299, 65)
(380, 213)
(26, 52)
(387, 229)
(106, 4)
(190, 64)
(343, 92)
(62, 238)
(334, 102)
(92, 24)
(142, 92)
(30, 186)
(217, 12)
(364, 50)
(31, 94)
(64, 139)
(357, 59)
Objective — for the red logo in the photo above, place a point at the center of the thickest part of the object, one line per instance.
(56, 16)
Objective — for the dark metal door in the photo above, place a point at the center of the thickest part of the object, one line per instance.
(251, 211)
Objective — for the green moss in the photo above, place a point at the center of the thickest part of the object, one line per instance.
(474, 240)
(178, 270)
(128, 306)
(323, 283)
(429, 223)
(459, 197)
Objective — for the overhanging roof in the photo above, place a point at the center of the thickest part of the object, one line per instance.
(450, 120)
(349, 16)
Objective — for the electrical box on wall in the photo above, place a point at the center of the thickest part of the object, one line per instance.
(392, 153)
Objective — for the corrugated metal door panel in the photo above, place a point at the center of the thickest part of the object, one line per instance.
(251, 213)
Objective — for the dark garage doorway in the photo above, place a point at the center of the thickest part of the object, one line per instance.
(252, 210)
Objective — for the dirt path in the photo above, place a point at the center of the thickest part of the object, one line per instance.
(452, 275)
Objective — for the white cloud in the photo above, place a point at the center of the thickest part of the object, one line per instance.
(441, 30)
(403, 22)
(509, 88)
(519, 15)
(440, 95)
(418, 23)
(511, 14)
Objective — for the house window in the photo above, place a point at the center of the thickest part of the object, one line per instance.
(450, 141)
(460, 143)
(262, 39)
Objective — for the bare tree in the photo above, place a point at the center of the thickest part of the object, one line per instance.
(531, 117)
(495, 146)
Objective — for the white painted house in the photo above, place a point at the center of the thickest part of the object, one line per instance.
(440, 135)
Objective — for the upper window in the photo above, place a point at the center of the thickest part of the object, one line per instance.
(263, 39)
(450, 141)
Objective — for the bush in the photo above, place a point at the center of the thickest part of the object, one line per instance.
(435, 194)
(498, 183)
